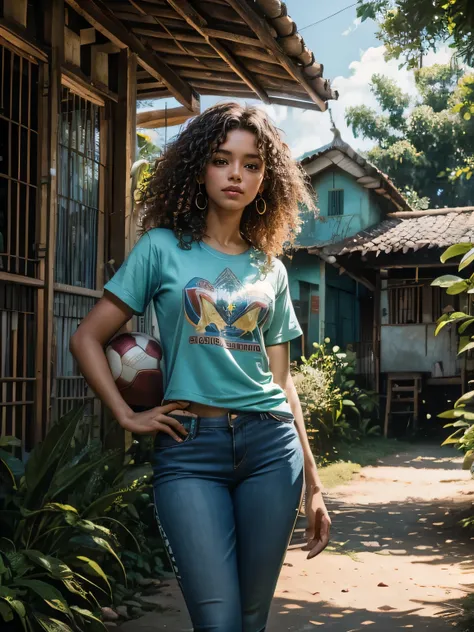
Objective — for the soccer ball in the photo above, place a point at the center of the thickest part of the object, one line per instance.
(135, 363)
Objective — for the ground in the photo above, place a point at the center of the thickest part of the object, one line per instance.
(397, 560)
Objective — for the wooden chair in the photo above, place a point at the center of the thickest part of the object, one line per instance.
(402, 388)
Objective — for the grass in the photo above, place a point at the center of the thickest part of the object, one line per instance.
(349, 459)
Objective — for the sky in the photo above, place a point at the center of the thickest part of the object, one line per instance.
(350, 53)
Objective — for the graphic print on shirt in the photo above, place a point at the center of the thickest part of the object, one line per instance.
(226, 313)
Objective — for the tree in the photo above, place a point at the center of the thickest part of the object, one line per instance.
(422, 143)
(411, 28)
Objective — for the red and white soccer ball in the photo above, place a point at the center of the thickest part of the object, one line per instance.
(135, 362)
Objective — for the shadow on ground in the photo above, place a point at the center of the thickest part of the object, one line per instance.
(325, 616)
(419, 529)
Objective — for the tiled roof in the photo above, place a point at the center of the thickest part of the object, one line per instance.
(437, 228)
(339, 153)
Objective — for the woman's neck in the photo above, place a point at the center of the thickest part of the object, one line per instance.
(224, 230)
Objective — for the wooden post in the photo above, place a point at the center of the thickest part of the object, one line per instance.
(123, 139)
(322, 301)
(54, 36)
(376, 331)
(124, 142)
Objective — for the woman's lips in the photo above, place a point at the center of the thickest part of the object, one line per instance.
(232, 194)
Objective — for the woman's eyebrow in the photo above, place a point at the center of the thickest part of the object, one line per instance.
(229, 153)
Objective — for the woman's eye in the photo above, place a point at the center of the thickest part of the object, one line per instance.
(252, 166)
(220, 161)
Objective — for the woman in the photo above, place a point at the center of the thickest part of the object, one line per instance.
(231, 450)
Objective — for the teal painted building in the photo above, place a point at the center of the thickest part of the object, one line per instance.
(352, 195)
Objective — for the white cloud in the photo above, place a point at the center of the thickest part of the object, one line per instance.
(307, 130)
(355, 25)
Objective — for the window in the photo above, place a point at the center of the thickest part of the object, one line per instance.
(78, 192)
(405, 305)
(336, 202)
(18, 162)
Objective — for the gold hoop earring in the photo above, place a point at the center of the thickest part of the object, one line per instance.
(264, 210)
(197, 199)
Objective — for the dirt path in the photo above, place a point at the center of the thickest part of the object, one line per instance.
(397, 560)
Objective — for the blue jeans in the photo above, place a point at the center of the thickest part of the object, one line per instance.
(227, 499)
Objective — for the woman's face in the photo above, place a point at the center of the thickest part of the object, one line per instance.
(234, 176)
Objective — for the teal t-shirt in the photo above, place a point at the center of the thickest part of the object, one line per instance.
(216, 314)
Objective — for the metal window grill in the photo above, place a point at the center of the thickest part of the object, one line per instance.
(69, 387)
(17, 361)
(78, 191)
(18, 162)
(405, 305)
(336, 202)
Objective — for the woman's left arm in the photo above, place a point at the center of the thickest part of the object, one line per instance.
(319, 522)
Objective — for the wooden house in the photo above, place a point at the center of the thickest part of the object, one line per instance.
(397, 259)
(70, 76)
(352, 195)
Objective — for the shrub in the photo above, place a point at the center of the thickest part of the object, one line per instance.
(333, 405)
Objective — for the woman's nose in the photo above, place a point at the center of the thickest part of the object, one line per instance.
(236, 173)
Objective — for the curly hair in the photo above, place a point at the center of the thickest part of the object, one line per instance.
(172, 187)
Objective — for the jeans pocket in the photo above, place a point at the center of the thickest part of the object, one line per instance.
(164, 440)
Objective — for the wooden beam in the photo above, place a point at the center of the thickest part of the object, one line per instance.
(93, 91)
(294, 103)
(166, 46)
(159, 118)
(50, 168)
(434, 211)
(152, 94)
(180, 36)
(88, 36)
(102, 19)
(233, 37)
(194, 19)
(18, 37)
(263, 32)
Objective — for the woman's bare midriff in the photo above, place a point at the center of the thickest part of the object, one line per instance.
(206, 411)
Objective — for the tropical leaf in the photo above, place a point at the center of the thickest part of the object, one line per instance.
(457, 288)
(464, 399)
(16, 465)
(67, 477)
(92, 567)
(52, 625)
(46, 456)
(448, 414)
(455, 251)
(55, 567)
(87, 614)
(50, 595)
(10, 441)
(118, 496)
(17, 606)
(7, 475)
(93, 542)
(467, 259)
(6, 612)
(122, 526)
(446, 280)
(465, 325)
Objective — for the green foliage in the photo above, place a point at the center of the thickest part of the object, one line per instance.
(333, 405)
(63, 527)
(147, 149)
(414, 27)
(461, 417)
(425, 144)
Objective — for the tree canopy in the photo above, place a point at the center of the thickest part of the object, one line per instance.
(413, 27)
(422, 143)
